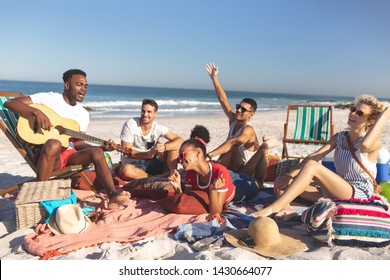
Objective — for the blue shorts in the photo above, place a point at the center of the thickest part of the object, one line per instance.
(245, 186)
(151, 166)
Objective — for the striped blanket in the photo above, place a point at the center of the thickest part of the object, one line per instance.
(354, 222)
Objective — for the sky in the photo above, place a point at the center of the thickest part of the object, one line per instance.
(328, 47)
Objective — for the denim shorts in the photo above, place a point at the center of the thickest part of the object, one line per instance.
(151, 166)
(245, 186)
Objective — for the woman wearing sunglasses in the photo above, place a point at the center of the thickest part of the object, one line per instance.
(366, 120)
(210, 177)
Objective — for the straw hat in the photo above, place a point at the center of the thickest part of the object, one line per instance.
(69, 218)
(263, 237)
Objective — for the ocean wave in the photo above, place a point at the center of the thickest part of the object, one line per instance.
(123, 103)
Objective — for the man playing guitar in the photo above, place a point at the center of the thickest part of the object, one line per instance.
(53, 156)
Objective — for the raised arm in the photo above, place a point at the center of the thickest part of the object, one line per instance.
(212, 69)
(371, 141)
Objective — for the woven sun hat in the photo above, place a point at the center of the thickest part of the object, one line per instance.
(69, 218)
(264, 238)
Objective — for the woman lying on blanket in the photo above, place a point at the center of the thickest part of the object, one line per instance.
(366, 120)
(222, 185)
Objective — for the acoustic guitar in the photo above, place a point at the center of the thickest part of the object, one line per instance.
(63, 129)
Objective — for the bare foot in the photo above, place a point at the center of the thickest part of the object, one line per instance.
(266, 212)
(270, 142)
(118, 201)
(286, 215)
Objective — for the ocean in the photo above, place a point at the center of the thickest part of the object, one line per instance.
(110, 101)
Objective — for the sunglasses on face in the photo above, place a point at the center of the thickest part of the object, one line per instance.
(358, 112)
(183, 153)
(243, 110)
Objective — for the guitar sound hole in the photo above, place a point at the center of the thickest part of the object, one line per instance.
(59, 129)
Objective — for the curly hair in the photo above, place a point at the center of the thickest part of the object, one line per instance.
(376, 106)
(201, 132)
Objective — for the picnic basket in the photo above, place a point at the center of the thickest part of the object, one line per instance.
(29, 212)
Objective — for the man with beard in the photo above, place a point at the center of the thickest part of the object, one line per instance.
(241, 152)
(149, 155)
(52, 156)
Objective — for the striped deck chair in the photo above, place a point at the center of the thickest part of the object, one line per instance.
(8, 122)
(313, 125)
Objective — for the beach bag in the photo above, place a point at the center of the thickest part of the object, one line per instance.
(279, 167)
(353, 222)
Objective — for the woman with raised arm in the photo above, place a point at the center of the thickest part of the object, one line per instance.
(366, 120)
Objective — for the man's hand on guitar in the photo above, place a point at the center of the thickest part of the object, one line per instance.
(42, 120)
(109, 146)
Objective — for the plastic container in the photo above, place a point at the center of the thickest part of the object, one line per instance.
(383, 166)
(328, 162)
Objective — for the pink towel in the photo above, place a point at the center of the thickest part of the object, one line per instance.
(143, 218)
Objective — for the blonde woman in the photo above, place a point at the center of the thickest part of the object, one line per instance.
(366, 120)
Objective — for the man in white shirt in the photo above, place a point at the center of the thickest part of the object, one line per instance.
(52, 155)
(149, 155)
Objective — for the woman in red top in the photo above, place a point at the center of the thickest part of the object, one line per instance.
(203, 175)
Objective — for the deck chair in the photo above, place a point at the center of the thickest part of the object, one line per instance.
(313, 125)
(8, 122)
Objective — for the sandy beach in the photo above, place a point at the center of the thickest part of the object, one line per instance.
(13, 170)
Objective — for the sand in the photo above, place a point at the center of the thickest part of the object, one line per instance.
(13, 170)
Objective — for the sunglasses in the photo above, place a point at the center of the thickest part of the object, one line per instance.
(243, 110)
(182, 154)
(358, 112)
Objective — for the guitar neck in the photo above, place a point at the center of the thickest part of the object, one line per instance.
(84, 136)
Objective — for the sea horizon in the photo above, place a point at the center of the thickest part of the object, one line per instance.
(121, 101)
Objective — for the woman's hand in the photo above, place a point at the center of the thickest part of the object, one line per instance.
(282, 182)
(175, 180)
(386, 113)
(218, 183)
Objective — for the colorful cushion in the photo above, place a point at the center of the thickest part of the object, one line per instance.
(190, 202)
(354, 222)
(361, 223)
(153, 187)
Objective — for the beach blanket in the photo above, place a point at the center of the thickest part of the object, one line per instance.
(143, 218)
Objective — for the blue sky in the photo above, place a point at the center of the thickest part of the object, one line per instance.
(329, 47)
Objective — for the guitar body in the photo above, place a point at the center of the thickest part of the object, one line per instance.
(29, 132)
